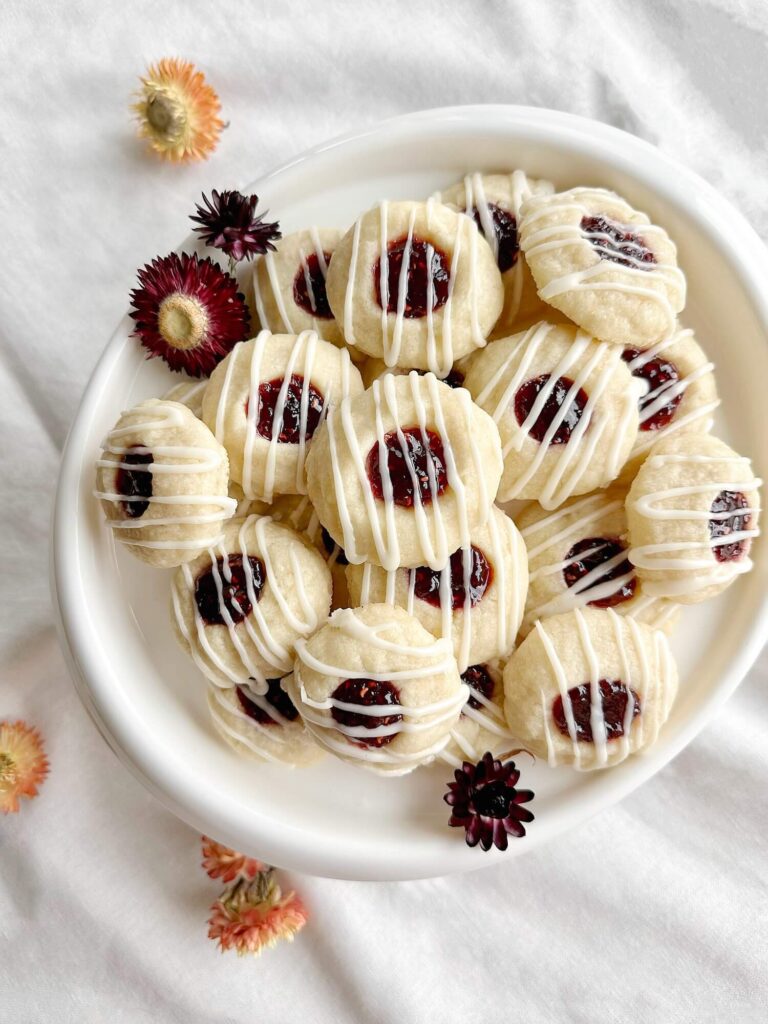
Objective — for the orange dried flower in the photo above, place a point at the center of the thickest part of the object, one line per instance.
(178, 111)
(256, 915)
(23, 764)
(221, 862)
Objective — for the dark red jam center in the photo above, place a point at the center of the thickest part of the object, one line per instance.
(290, 422)
(427, 581)
(505, 229)
(613, 696)
(367, 693)
(275, 696)
(526, 397)
(617, 245)
(729, 501)
(455, 379)
(135, 484)
(591, 553)
(309, 287)
(422, 448)
(660, 375)
(478, 679)
(234, 589)
(425, 263)
(331, 546)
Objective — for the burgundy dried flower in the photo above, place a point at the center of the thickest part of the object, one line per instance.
(486, 803)
(228, 221)
(189, 312)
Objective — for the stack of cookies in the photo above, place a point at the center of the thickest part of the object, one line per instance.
(453, 495)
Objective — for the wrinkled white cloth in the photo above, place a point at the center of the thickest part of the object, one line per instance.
(655, 911)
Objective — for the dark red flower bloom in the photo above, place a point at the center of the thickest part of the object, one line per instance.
(228, 221)
(189, 312)
(486, 804)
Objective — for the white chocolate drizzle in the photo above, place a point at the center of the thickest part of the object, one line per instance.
(431, 660)
(508, 611)
(635, 276)
(694, 557)
(475, 198)
(436, 551)
(182, 460)
(268, 259)
(651, 686)
(300, 362)
(667, 392)
(440, 349)
(490, 718)
(254, 625)
(588, 513)
(570, 461)
(256, 736)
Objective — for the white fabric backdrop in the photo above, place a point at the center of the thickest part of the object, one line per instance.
(654, 912)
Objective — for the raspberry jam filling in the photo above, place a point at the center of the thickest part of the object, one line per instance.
(724, 525)
(505, 229)
(455, 379)
(367, 693)
(613, 697)
(229, 574)
(309, 291)
(660, 375)
(616, 244)
(331, 546)
(411, 469)
(290, 421)
(526, 397)
(592, 552)
(135, 484)
(478, 679)
(426, 581)
(275, 696)
(426, 281)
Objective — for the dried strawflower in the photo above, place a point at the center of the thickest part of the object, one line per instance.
(178, 112)
(228, 221)
(189, 312)
(486, 804)
(255, 915)
(23, 764)
(221, 862)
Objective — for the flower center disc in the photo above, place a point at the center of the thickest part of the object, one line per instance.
(165, 116)
(182, 321)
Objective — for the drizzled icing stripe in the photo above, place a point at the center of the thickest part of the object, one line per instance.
(490, 718)
(508, 611)
(189, 393)
(694, 556)
(596, 358)
(251, 732)
(440, 352)
(592, 510)
(415, 718)
(650, 684)
(429, 523)
(557, 236)
(192, 460)
(254, 625)
(301, 361)
(668, 391)
(269, 261)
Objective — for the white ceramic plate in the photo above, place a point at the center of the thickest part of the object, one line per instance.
(147, 697)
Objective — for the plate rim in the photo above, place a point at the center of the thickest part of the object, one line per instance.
(287, 849)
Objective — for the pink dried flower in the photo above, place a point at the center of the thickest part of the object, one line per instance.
(23, 764)
(252, 916)
(221, 862)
